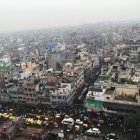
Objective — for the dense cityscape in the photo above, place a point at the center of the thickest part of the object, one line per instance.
(73, 83)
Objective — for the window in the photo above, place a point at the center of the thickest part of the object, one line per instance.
(33, 89)
(53, 97)
(29, 89)
(108, 98)
(59, 97)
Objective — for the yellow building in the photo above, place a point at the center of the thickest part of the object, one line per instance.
(28, 66)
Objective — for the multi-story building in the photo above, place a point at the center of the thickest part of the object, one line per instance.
(134, 56)
(63, 95)
(4, 97)
(119, 99)
(75, 73)
(44, 93)
(1, 79)
(5, 61)
(122, 99)
(29, 94)
(94, 98)
(7, 78)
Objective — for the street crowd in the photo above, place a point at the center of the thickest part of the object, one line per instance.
(83, 120)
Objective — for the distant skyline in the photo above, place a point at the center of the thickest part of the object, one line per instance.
(34, 14)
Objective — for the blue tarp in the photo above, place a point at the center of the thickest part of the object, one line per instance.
(49, 45)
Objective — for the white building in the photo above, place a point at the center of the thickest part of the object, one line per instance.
(63, 95)
(96, 93)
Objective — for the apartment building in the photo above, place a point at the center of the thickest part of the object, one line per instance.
(63, 95)
(1, 79)
(134, 56)
(29, 95)
(122, 99)
(118, 99)
(94, 98)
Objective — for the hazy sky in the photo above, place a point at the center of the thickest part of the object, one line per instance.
(31, 14)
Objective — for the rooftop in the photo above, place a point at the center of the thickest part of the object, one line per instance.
(127, 90)
(29, 132)
(110, 91)
(97, 89)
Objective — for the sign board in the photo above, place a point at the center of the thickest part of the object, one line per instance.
(93, 104)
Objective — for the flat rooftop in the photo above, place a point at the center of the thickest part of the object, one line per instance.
(29, 133)
(34, 130)
(128, 90)
(110, 91)
(97, 89)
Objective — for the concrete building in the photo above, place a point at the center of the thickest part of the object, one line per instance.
(63, 95)
(1, 79)
(29, 90)
(134, 56)
(119, 99)
(53, 59)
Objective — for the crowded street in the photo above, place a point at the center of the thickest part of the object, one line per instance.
(74, 121)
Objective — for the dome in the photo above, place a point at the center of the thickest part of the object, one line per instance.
(68, 64)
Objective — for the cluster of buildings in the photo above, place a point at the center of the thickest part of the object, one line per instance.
(53, 67)
(53, 74)
(117, 88)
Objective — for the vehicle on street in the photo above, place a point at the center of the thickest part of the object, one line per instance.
(68, 121)
(101, 121)
(77, 127)
(111, 136)
(57, 116)
(78, 121)
(93, 131)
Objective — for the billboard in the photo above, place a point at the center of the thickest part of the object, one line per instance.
(96, 104)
